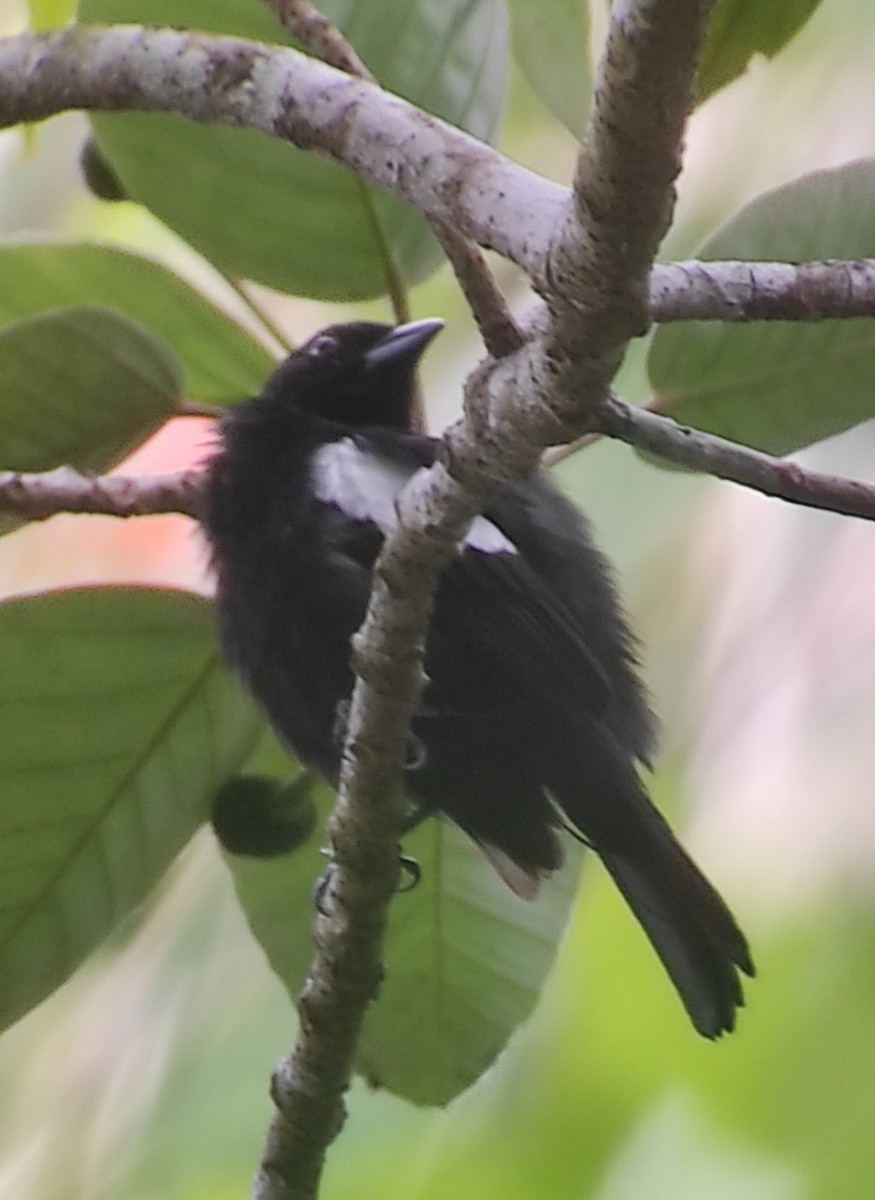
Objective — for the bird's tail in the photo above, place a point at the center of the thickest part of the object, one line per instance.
(686, 920)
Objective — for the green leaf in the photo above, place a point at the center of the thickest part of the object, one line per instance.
(465, 964)
(50, 14)
(81, 387)
(220, 361)
(739, 29)
(465, 958)
(118, 724)
(779, 385)
(550, 43)
(259, 208)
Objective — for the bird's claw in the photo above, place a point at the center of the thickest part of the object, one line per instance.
(320, 890)
(410, 870)
(413, 872)
(415, 755)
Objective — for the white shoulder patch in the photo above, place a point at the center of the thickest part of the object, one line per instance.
(487, 538)
(366, 487)
(362, 486)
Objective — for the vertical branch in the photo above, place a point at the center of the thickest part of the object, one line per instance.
(622, 200)
(601, 256)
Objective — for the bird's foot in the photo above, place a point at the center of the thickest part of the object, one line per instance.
(414, 748)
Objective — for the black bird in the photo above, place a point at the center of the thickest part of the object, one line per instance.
(533, 719)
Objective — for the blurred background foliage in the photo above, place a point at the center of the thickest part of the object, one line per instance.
(145, 1076)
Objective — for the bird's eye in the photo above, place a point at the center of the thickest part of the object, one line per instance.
(324, 345)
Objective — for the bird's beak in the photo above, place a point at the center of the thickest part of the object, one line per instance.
(404, 343)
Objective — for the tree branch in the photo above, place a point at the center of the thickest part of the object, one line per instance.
(438, 169)
(727, 460)
(40, 496)
(761, 291)
(443, 172)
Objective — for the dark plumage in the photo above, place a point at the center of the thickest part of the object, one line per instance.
(533, 717)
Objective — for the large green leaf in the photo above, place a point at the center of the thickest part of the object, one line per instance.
(220, 361)
(550, 42)
(779, 385)
(465, 958)
(118, 723)
(739, 29)
(82, 387)
(258, 207)
(465, 964)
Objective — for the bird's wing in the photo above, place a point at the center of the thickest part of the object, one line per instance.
(500, 608)
(494, 602)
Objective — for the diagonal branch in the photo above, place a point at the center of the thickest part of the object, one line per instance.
(714, 455)
(38, 496)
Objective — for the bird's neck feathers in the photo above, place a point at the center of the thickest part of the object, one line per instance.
(272, 418)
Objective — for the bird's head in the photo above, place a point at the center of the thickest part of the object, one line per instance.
(361, 373)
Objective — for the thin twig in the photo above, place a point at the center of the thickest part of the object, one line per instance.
(557, 454)
(714, 455)
(320, 36)
(261, 315)
(500, 332)
(498, 328)
(396, 288)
